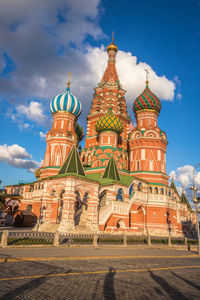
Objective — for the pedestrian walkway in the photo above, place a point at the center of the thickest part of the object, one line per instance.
(41, 253)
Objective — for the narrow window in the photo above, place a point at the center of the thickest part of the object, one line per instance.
(62, 123)
(151, 165)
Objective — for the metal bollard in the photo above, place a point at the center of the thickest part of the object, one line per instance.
(4, 239)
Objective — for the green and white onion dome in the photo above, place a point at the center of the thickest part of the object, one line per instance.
(66, 102)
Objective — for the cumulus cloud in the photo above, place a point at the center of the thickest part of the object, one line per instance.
(38, 41)
(184, 176)
(131, 73)
(48, 41)
(18, 157)
(33, 111)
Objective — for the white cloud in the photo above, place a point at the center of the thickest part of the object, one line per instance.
(178, 88)
(184, 176)
(41, 72)
(18, 157)
(33, 111)
(131, 74)
(24, 126)
(42, 135)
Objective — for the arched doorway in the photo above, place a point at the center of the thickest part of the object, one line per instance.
(141, 219)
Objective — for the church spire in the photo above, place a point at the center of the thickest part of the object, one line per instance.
(110, 76)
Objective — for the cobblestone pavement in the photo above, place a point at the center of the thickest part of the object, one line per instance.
(124, 278)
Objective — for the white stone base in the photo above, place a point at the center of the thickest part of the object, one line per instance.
(46, 227)
(66, 227)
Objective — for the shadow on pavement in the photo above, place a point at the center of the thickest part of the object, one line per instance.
(171, 291)
(108, 287)
(34, 283)
(187, 281)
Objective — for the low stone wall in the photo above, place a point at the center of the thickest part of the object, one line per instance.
(16, 238)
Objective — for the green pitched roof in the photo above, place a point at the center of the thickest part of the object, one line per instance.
(72, 164)
(173, 186)
(111, 170)
(185, 200)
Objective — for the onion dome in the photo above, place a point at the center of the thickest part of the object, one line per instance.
(109, 122)
(112, 46)
(147, 100)
(79, 131)
(66, 102)
(37, 173)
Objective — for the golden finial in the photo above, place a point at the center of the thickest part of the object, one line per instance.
(147, 77)
(113, 34)
(112, 46)
(68, 82)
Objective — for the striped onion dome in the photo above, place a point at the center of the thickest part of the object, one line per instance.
(109, 122)
(147, 100)
(66, 102)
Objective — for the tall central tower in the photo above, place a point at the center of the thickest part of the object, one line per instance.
(109, 95)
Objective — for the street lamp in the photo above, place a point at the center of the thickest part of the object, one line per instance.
(196, 200)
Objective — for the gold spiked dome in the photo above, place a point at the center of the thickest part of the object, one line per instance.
(112, 46)
(109, 122)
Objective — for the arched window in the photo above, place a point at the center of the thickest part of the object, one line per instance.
(131, 189)
(162, 191)
(83, 159)
(169, 193)
(150, 190)
(61, 194)
(121, 224)
(53, 193)
(31, 188)
(85, 200)
(139, 186)
(156, 190)
(119, 196)
(78, 200)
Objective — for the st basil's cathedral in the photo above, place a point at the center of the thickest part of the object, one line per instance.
(118, 182)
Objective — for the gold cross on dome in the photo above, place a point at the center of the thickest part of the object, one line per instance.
(147, 76)
(113, 37)
(68, 82)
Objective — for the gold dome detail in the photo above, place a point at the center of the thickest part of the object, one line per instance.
(112, 46)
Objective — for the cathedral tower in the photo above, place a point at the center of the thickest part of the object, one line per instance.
(108, 95)
(64, 134)
(148, 142)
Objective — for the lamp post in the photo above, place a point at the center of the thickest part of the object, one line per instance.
(196, 200)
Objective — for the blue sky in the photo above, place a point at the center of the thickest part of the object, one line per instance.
(39, 45)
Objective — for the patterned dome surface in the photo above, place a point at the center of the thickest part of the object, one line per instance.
(109, 122)
(66, 102)
(147, 100)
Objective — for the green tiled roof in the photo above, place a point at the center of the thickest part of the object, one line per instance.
(185, 200)
(173, 186)
(111, 170)
(72, 164)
